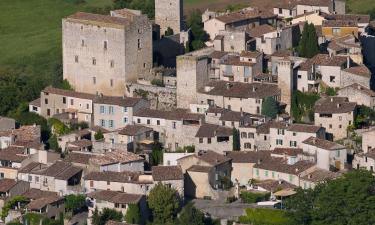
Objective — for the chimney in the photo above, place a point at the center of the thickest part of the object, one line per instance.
(101, 95)
(254, 88)
(331, 99)
(259, 161)
(228, 85)
(348, 62)
(338, 105)
(123, 97)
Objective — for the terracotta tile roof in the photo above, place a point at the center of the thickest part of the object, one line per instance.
(35, 102)
(68, 93)
(241, 90)
(248, 156)
(283, 53)
(80, 143)
(323, 60)
(119, 101)
(132, 130)
(332, 105)
(250, 54)
(359, 70)
(31, 166)
(14, 154)
(212, 157)
(60, 170)
(115, 197)
(274, 185)
(80, 158)
(235, 60)
(280, 165)
(212, 130)
(28, 133)
(229, 115)
(339, 23)
(216, 109)
(320, 175)
(121, 177)
(287, 151)
(290, 4)
(361, 88)
(34, 193)
(7, 184)
(177, 114)
(163, 173)
(42, 202)
(218, 54)
(116, 156)
(98, 19)
(265, 127)
(306, 128)
(244, 15)
(324, 144)
(359, 18)
(259, 31)
(200, 169)
(334, 46)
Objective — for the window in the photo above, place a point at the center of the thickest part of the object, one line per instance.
(111, 82)
(293, 144)
(125, 119)
(247, 145)
(257, 172)
(87, 106)
(82, 42)
(157, 122)
(46, 101)
(125, 109)
(111, 123)
(30, 178)
(48, 112)
(111, 110)
(71, 101)
(330, 126)
(209, 140)
(93, 61)
(273, 174)
(280, 11)
(294, 134)
(337, 153)
(105, 45)
(290, 178)
(257, 101)
(243, 135)
(174, 125)
(250, 135)
(139, 44)
(102, 109)
(148, 121)
(299, 76)
(94, 80)
(265, 137)
(200, 140)
(332, 79)
(108, 182)
(138, 120)
(266, 173)
(76, 58)
(340, 118)
(280, 131)
(336, 31)
(279, 142)
(36, 179)
(64, 100)
(112, 63)
(102, 123)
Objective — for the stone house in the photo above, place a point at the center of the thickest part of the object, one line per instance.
(103, 53)
(206, 174)
(174, 129)
(336, 114)
(232, 41)
(317, 176)
(359, 94)
(362, 20)
(356, 75)
(34, 106)
(116, 200)
(61, 177)
(75, 106)
(236, 96)
(10, 188)
(365, 160)
(7, 123)
(347, 45)
(116, 161)
(77, 135)
(328, 154)
(241, 20)
(339, 28)
(171, 158)
(242, 164)
(113, 113)
(313, 17)
(368, 141)
(214, 137)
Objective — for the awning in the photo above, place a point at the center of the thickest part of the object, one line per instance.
(285, 193)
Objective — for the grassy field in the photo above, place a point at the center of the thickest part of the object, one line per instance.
(360, 6)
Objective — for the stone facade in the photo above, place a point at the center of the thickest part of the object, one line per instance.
(103, 53)
(359, 94)
(169, 13)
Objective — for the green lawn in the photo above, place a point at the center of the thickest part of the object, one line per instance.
(31, 29)
(263, 216)
(360, 6)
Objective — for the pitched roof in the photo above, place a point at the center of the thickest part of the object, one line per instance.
(7, 184)
(68, 93)
(359, 70)
(200, 169)
(250, 54)
(212, 130)
(119, 101)
(115, 197)
(320, 175)
(244, 15)
(31, 166)
(13, 154)
(361, 88)
(116, 156)
(323, 60)
(287, 151)
(98, 19)
(339, 23)
(280, 165)
(35, 102)
(163, 173)
(274, 185)
(59, 170)
(218, 54)
(34, 193)
(359, 18)
(240, 90)
(42, 202)
(80, 143)
(212, 157)
(306, 128)
(332, 105)
(177, 114)
(248, 156)
(121, 177)
(324, 144)
(259, 31)
(77, 157)
(132, 130)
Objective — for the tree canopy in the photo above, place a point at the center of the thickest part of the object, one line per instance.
(133, 214)
(347, 200)
(308, 46)
(198, 34)
(107, 214)
(270, 107)
(164, 204)
(190, 216)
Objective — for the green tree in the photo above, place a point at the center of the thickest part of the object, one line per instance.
(106, 215)
(308, 46)
(236, 140)
(58, 127)
(146, 6)
(169, 32)
(198, 35)
(270, 107)
(133, 214)
(164, 203)
(347, 200)
(10, 204)
(74, 203)
(190, 216)
(156, 155)
(99, 135)
(52, 143)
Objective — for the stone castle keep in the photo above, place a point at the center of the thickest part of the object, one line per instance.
(169, 13)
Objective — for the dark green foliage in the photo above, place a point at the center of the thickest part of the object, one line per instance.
(365, 117)
(190, 216)
(133, 215)
(99, 135)
(265, 217)
(303, 104)
(156, 157)
(330, 91)
(270, 107)
(15, 222)
(251, 197)
(53, 144)
(198, 34)
(58, 127)
(164, 204)
(80, 125)
(236, 140)
(146, 6)
(189, 148)
(157, 82)
(106, 215)
(346, 200)
(11, 203)
(74, 203)
(169, 32)
(308, 46)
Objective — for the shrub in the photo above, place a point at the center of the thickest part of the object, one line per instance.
(252, 197)
(157, 82)
(265, 217)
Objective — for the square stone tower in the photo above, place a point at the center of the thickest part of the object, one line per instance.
(169, 13)
(285, 82)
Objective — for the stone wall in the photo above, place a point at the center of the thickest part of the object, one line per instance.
(163, 98)
(169, 13)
